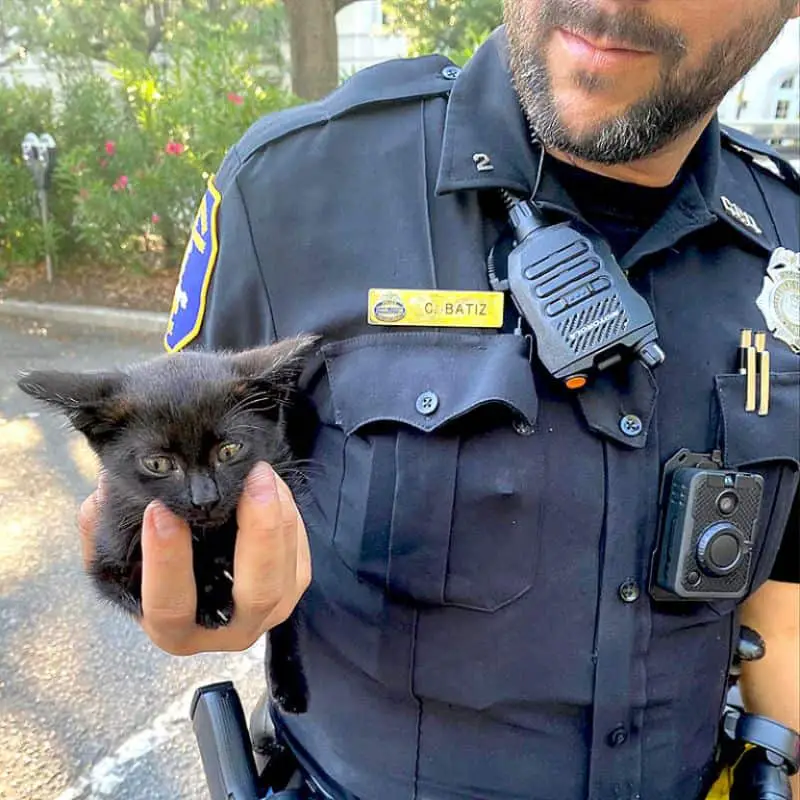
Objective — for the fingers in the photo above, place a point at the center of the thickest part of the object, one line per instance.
(266, 553)
(272, 568)
(169, 594)
(88, 517)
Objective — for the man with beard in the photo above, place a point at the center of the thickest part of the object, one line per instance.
(479, 622)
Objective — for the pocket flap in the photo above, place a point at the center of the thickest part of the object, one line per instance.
(748, 438)
(427, 379)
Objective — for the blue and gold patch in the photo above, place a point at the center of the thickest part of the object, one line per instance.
(189, 303)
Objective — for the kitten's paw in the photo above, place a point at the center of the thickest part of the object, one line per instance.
(216, 615)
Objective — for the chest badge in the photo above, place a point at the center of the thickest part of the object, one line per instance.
(741, 216)
(779, 300)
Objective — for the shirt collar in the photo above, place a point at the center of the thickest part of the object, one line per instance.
(486, 140)
(487, 145)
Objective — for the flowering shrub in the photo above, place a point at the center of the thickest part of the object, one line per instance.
(134, 153)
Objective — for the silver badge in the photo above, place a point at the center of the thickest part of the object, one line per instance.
(779, 300)
(741, 216)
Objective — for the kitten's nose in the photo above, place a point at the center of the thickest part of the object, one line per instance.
(203, 492)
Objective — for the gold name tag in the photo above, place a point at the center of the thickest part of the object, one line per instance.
(432, 308)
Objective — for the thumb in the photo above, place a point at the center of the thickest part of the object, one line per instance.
(168, 584)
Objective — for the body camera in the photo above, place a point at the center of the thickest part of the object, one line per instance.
(707, 541)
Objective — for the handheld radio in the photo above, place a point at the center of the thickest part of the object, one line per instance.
(567, 285)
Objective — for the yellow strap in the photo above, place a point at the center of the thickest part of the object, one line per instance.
(722, 788)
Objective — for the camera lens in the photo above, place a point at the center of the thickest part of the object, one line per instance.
(728, 502)
(720, 550)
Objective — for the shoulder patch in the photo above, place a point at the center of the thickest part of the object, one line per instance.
(759, 152)
(199, 260)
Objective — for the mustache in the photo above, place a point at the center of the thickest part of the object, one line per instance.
(632, 27)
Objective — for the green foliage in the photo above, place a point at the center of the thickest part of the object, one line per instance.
(454, 28)
(25, 109)
(137, 144)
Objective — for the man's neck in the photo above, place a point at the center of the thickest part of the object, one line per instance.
(659, 169)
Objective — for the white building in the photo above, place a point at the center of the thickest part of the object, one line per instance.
(771, 90)
(363, 37)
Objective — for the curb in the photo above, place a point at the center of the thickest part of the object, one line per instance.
(94, 316)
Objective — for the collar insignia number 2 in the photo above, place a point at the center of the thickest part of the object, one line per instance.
(741, 216)
(779, 300)
(189, 303)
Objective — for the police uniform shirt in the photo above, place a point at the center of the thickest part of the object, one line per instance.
(479, 624)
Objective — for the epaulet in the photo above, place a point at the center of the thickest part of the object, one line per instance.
(389, 82)
(761, 154)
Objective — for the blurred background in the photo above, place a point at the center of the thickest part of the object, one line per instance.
(142, 100)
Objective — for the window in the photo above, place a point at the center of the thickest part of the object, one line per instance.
(788, 83)
(782, 110)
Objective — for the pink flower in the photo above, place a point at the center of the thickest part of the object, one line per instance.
(122, 183)
(175, 148)
(236, 99)
(155, 219)
(111, 147)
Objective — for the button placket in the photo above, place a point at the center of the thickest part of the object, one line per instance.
(629, 591)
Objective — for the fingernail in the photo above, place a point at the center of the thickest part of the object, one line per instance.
(161, 520)
(261, 483)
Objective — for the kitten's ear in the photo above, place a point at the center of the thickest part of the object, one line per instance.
(280, 363)
(89, 399)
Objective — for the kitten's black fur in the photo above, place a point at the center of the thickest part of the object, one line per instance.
(182, 407)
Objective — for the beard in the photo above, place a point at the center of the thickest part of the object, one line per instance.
(681, 98)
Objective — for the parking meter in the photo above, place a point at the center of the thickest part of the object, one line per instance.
(39, 155)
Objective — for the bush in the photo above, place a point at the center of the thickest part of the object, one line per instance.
(135, 152)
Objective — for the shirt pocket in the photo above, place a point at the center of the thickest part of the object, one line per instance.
(766, 445)
(423, 426)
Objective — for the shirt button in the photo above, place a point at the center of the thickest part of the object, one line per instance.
(618, 736)
(629, 591)
(451, 73)
(631, 425)
(427, 403)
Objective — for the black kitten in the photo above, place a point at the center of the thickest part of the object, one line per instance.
(186, 429)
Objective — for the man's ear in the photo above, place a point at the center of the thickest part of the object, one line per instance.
(90, 400)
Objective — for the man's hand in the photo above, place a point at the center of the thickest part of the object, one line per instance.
(272, 568)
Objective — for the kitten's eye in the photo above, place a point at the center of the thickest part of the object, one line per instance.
(228, 451)
(158, 465)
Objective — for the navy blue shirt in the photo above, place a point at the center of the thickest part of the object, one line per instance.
(479, 625)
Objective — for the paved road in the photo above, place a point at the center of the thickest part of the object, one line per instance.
(88, 708)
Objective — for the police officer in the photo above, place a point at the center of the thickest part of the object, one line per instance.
(479, 624)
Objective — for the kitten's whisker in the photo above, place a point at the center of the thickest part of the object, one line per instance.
(222, 616)
(227, 575)
(247, 403)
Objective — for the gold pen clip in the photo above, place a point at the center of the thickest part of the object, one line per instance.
(750, 379)
(763, 373)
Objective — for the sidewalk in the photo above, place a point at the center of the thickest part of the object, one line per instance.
(91, 316)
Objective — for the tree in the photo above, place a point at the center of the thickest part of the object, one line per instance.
(108, 30)
(451, 27)
(102, 29)
(314, 45)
